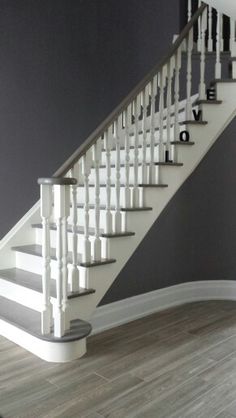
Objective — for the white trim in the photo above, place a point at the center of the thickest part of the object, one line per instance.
(49, 351)
(126, 310)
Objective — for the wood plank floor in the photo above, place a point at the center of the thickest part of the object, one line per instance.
(179, 363)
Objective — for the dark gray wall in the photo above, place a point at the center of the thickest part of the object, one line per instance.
(195, 236)
(64, 65)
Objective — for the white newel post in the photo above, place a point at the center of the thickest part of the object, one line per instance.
(74, 272)
(108, 145)
(117, 131)
(218, 46)
(46, 211)
(137, 109)
(61, 213)
(127, 123)
(97, 152)
(86, 170)
(202, 85)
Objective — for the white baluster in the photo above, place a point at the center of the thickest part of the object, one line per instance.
(189, 74)
(232, 38)
(199, 42)
(222, 33)
(127, 122)
(117, 130)
(176, 93)
(108, 145)
(74, 272)
(97, 151)
(202, 85)
(162, 80)
(189, 10)
(210, 38)
(86, 170)
(46, 211)
(152, 168)
(170, 67)
(137, 109)
(144, 101)
(218, 42)
(61, 209)
(65, 305)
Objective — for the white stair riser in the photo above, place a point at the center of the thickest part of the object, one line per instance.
(81, 221)
(33, 263)
(103, 195)
(80, 237)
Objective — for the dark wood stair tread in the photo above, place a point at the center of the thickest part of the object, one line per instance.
(194, 122)
(36, 250)
(80, 230)
(182, 142)
(160, 186)
(198, 102)
(169, 164)
(34, 282)
(29, 320)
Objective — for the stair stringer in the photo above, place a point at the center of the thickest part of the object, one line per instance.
(218, 118)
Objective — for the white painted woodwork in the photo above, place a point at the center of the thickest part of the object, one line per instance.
(199, 34)
(117, 129)
(108, 141)
(176, 93)
(232, 38)
(86, 170)
(74, 271)
(189, 10)
(46, 211)
(161, 83)
(218, 42)
(127, 122)
(202, 84)
(189, 75)
(144, 102)
(97, 150)
(60, 196)
(136, 113)
(228, 7)
(170, 67)
(153, 94)
(210, 37)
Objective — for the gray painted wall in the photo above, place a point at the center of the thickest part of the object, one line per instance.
(195, 236)
(65, 64)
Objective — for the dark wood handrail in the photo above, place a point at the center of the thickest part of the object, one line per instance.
(92, 138)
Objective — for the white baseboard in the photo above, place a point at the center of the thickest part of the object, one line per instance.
(126, 310)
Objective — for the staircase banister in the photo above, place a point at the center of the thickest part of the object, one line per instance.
(61, 181)
(99, 131)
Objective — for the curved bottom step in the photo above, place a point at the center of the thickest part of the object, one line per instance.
(22, 326)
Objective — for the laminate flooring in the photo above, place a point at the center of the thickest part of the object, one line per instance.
(178, 363)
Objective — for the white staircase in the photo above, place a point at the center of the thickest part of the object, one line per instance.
(57, 263)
